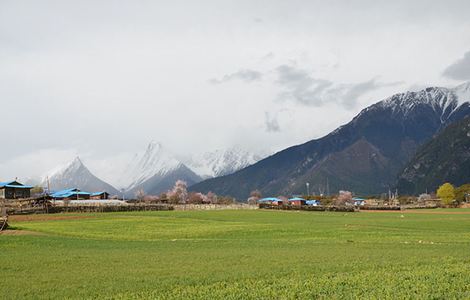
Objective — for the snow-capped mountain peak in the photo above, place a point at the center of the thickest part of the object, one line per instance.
(156, 160)
(62, 170)
(75, 175)
(443, 101)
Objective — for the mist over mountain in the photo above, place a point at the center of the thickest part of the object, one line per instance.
(157, 169)
(364, 156)
(221, 162)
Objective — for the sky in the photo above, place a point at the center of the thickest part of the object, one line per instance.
(101, 79)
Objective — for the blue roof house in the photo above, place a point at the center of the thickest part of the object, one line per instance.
(70, 194)
(269, 200)
(359, 201)
(14, 190)
(313, 202)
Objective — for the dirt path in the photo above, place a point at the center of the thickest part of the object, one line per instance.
(19, 232)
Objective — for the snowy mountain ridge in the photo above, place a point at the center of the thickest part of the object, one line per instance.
(221, 162)
(443, 100)
(158, 162)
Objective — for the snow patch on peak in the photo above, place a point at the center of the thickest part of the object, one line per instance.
(60, 170)
(444, 101)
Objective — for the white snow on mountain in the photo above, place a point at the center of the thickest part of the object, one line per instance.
(444, 101)
(221, 162)
(462, 92)
(75, 175)
(63, 171)
(156, 160)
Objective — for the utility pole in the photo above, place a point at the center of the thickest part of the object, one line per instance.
(327, 187)
(48, 185)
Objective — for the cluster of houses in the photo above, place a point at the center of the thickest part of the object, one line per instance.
(298, 201)
(17, 190)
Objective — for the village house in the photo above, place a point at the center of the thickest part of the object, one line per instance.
(359, 201)
(269, 200)
(99, 196)
(313, 202)
(297, 201)
(14, 190)
(70, 194)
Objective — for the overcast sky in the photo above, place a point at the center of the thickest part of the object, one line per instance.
(101, 79)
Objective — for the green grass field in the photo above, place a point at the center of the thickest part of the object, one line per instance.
(238, 255)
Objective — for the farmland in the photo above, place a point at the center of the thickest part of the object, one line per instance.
(238, 254)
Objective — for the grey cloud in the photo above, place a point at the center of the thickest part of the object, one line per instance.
(245, 75)
(298, 85)
(460, 69)
(271, 123)
(353, 92)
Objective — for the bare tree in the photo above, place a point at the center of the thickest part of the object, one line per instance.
(254, 197)
(211, 198)
(140, 195)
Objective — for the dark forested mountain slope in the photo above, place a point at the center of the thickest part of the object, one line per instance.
(446, 158)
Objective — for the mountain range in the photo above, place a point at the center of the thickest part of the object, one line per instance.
(154, 171)
(365, 155)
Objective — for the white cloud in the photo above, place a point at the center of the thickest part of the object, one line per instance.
(245, 75)
(105, 78)
(35, 164)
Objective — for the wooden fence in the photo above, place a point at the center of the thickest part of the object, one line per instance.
(89, 209)
(308, 207)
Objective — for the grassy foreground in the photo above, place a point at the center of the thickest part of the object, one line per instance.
(238, 255)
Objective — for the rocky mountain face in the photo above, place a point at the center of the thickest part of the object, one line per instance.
(76, 175)
(364, 156)
(446, 158)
